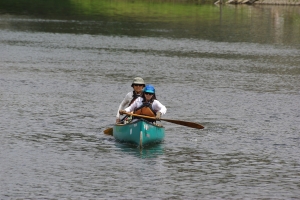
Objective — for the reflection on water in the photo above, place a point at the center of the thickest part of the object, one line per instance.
(149, 151)
(66, 65)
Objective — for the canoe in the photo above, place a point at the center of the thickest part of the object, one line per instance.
(139, 132)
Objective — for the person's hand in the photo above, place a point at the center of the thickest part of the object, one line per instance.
(122, 112)
(158, 115)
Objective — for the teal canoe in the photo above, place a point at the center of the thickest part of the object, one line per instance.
(140, 133)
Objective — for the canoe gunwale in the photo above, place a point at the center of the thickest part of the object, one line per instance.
(159, 126)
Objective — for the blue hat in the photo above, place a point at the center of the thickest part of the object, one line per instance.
(149, 89)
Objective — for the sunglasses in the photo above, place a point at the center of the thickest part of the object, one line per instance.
(138, 85)
(147, 93)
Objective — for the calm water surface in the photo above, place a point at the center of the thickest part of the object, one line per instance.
(63, 75)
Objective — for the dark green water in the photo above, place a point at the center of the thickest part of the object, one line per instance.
(66, 65)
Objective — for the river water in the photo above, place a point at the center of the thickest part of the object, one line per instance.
(65, 67)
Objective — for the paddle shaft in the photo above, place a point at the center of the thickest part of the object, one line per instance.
(183, 123)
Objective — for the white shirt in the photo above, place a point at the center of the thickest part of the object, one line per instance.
(125, 103)
(156, 106)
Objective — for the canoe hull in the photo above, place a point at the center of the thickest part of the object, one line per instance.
(140, 133)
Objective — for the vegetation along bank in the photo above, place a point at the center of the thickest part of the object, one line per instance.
(270, 2)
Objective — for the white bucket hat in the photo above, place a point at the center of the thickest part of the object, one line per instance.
(138, 80)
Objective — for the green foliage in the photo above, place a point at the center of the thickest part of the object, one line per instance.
(139, 9)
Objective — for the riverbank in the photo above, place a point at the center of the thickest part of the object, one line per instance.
(269, 2)
(278, 2)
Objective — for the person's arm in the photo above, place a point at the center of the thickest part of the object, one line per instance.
(159, 108)
(134, 105)
(123, 105)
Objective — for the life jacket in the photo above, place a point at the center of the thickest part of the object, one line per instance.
(145, 109)
(134, 97)
(128, 118)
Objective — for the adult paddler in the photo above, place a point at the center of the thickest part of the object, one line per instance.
(138, 85)
(147, 105)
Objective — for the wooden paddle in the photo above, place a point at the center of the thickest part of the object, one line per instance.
(109, 131)
(183, 123)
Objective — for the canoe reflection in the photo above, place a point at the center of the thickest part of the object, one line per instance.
(149, 151)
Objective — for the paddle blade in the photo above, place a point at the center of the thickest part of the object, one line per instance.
(184, 123)
(109, 131)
